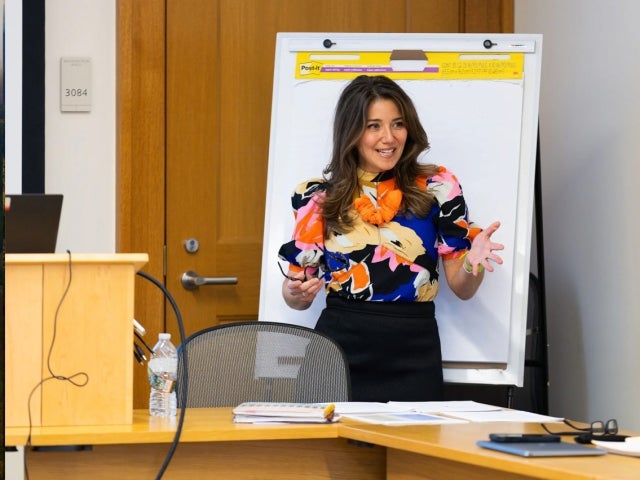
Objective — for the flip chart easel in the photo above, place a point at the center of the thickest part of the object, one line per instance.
(477, 96)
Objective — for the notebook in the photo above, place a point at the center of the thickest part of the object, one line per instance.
(542, 449)
(31, 222)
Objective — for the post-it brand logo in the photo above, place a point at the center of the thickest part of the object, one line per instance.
(310, 68)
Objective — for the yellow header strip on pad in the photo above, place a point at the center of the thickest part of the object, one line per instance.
(410, 65)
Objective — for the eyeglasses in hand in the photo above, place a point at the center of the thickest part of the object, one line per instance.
(333, 262)
(294, 279)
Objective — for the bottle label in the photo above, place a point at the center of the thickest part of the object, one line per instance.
(161, 381)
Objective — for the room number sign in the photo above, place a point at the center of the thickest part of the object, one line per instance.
(75, 84)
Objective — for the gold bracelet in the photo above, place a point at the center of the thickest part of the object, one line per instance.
(467, 267)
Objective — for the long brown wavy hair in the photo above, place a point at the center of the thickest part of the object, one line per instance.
(341, 174)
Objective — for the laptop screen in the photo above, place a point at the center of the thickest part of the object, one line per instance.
(31, 222)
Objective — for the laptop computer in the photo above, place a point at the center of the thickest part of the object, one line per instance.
(31, 222)
(541, 449)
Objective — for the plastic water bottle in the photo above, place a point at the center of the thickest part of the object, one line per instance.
(163, 372)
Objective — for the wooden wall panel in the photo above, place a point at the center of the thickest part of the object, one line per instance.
(434, 16)
(140, 157)
(487, 16)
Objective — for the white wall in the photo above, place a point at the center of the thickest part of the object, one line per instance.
(590, 149)
(79, 147)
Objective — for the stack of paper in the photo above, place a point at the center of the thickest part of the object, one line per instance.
(471, 411)
(389, 414)
(420, 413)
(276, 412)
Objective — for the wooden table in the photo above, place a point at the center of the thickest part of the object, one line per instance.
(211, 446)
(450, 452)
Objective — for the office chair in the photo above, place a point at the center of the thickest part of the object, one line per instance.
(262, 361)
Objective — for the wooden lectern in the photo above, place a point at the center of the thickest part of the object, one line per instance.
(69, 318)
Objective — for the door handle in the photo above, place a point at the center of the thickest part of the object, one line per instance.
(191, 280)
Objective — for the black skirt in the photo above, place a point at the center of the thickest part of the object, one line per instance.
(393, 348)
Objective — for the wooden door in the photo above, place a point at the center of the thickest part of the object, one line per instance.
(214, 80)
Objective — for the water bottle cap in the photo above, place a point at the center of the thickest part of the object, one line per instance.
(164, 336)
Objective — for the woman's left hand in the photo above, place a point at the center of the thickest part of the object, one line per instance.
(483, 249)
(300, 291)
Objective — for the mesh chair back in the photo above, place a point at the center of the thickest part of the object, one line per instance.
(262, 361)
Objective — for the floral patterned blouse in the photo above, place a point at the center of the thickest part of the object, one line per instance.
(394, 262)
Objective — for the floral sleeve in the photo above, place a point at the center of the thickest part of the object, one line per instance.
(307, 244)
